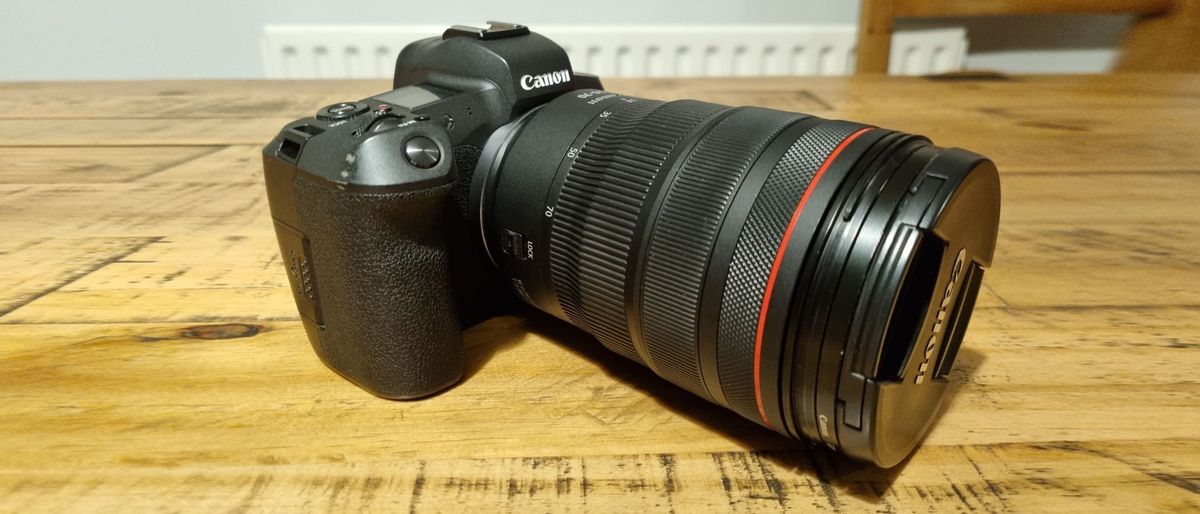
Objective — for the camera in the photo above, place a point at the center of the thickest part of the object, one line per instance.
(814, 276)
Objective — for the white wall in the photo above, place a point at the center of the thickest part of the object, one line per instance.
(130, 39)
(142, 39)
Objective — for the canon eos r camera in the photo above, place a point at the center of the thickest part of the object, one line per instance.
(814, 276)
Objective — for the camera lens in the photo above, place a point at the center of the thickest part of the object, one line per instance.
(814, 276)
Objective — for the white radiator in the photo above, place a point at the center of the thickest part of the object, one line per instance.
(369, 51)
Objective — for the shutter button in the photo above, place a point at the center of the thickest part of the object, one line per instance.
(422, 152)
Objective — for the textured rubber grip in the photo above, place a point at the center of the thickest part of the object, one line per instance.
(382, 273)
(598, 210)
(754, 254)
(682, 239)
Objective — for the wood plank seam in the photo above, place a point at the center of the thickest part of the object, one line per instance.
(79, 274)
(181, 162)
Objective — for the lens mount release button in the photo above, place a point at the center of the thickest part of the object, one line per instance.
(514, 244)
(422, 152)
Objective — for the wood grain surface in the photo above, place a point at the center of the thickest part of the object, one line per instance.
(151, 359)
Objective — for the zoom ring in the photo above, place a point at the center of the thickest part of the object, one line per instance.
(682, 239)
(753, 256)
(598, 207)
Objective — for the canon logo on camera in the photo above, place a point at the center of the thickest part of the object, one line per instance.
(531, 82)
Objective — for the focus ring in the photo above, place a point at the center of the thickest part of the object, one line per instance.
(754, 255)
(598, 207)
(682, 239)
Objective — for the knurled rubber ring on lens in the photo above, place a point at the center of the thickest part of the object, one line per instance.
(793, 372)
(598, 208)
(753, 258)
(682, 234)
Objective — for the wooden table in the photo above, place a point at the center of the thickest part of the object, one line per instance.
(151, 359)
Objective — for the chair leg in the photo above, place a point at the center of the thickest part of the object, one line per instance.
(876, 21)
(1168, 42)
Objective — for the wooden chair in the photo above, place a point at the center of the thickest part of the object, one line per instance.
(1166, 36)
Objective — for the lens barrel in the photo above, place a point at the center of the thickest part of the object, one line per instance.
(814, 276)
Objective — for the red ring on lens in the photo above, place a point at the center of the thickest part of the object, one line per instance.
(787, 236)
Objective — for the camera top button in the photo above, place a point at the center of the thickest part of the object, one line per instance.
(422, 152)
(341, 111)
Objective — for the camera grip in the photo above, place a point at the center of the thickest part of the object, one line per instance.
(388, 321)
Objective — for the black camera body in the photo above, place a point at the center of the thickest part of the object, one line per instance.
(815, 276)
(375, 191)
